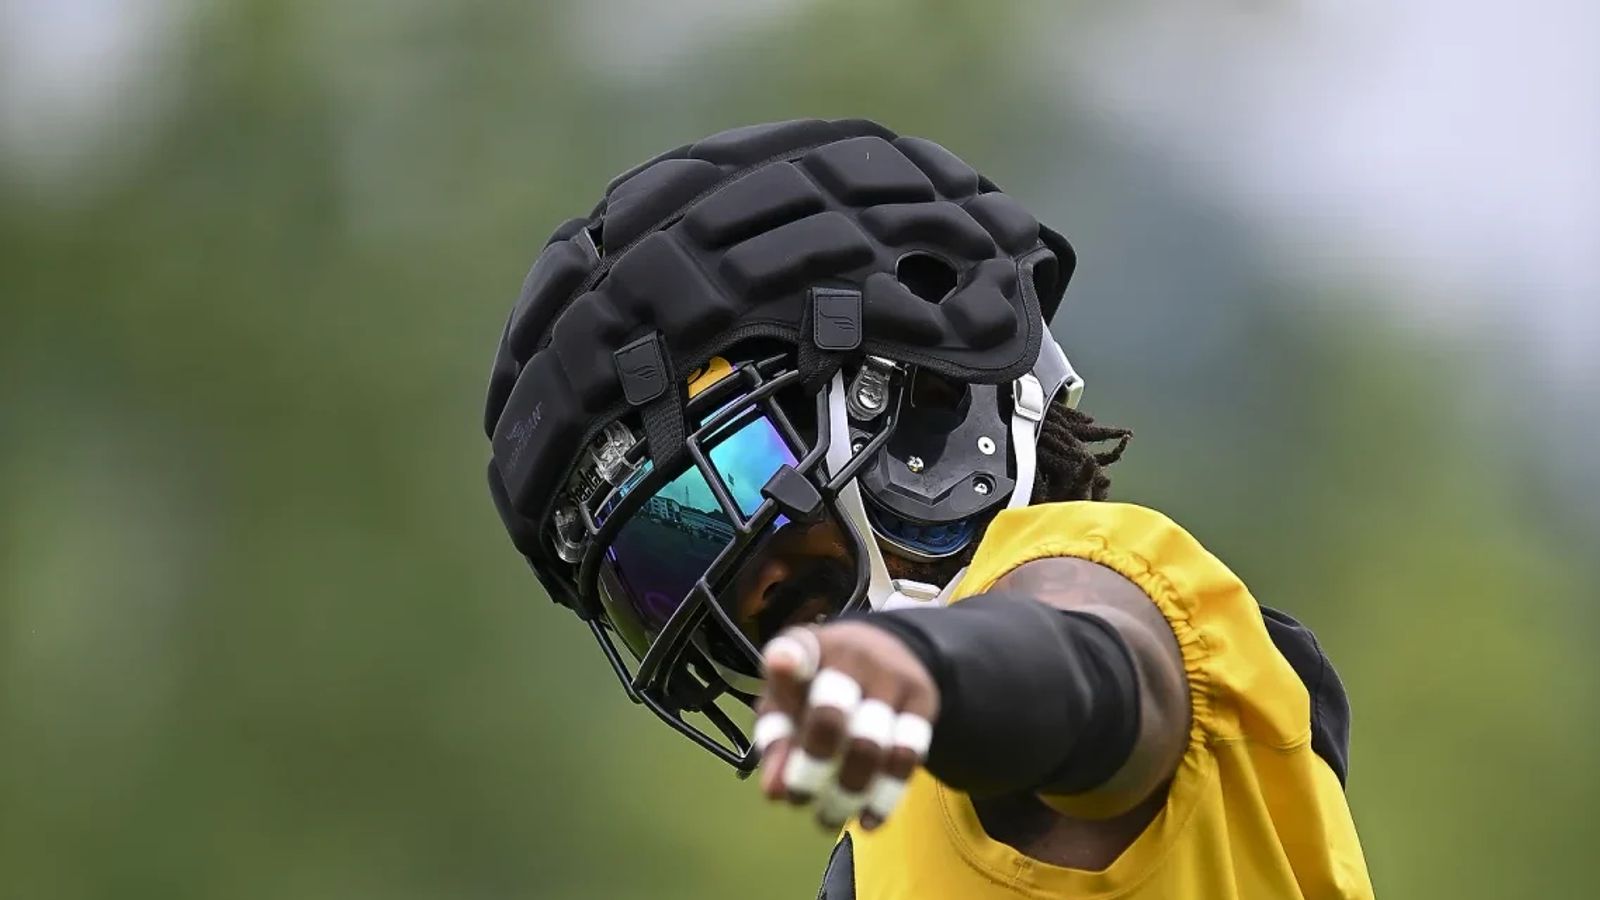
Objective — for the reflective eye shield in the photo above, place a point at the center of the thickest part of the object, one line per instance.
(686, 646)
(665, 548)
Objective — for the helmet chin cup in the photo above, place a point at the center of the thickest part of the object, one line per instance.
(909, 594)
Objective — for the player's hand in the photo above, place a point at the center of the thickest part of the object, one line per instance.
(846, 717)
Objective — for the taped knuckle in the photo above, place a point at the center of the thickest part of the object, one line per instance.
(861, 753)
(824, 731)
(900, 762)
(860, 763)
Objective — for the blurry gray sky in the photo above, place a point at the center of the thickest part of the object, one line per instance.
(1449, 151)
(1450, 148)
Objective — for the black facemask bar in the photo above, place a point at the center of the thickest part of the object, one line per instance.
(675, 676)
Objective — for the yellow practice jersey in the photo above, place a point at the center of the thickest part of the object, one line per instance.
(1253, 813)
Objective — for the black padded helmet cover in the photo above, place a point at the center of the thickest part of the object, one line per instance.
(725, 239)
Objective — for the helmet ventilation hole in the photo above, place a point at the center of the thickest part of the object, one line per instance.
(926, 275)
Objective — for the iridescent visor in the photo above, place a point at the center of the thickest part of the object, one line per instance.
(663, 550)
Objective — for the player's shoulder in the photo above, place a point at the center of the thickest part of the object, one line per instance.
(1257, 671)
(1136, 537)
(1330, 703)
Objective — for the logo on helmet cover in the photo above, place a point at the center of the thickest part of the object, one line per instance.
(642, 370)
(835, 319)
(522, 431)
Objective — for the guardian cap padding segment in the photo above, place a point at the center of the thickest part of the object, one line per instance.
(726, 239)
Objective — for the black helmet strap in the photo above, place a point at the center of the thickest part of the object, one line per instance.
(649, 383)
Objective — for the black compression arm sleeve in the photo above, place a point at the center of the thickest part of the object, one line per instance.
(1031, 697)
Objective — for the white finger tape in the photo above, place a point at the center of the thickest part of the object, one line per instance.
(771, 728)
(873, 721)
(913, 732)
(834, 689)
(884, 795)
(800, 646)
(805, 774)
(837, 806)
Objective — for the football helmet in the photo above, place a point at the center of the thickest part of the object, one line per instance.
(764, 361)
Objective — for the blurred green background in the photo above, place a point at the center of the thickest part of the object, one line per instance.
(261, 634)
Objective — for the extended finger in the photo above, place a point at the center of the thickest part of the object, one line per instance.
(788, 661)
(830, 701)
(912, 734)
(867, 737)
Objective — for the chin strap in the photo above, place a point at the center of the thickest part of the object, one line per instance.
(1027, 414)
(879, 589)
(1031, 396)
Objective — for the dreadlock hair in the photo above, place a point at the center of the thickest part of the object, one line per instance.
(1069, 467)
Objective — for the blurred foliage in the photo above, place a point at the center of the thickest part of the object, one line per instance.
(261, 635)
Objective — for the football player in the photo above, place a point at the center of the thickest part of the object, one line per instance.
(781, 420)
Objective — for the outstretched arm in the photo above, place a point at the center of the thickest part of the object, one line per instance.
(1068, 583)
(1063, 679)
